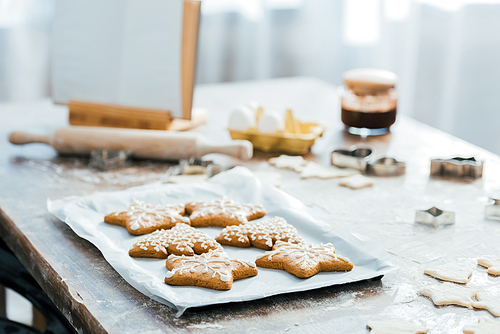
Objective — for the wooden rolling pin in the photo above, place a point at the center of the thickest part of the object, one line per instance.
(149, 144)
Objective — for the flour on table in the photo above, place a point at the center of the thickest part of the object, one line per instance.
(489, 302)
(448, 294)
(313, 169)
(492, 265)
(453, 272)
(356, 182)
(395, 326)
(485, 326)
(297, 163)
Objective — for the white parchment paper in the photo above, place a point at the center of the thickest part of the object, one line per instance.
(85, 216)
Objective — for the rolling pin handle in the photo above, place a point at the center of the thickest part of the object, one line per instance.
(21, 138)
(241, 149)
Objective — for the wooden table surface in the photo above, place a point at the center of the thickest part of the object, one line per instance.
(96, 299)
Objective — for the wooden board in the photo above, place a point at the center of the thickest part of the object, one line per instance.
(97, 300)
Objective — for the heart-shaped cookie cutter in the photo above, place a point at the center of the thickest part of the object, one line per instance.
(492, 211)
(434, 217)
(386, 167)
(457, 167)
(355, 157)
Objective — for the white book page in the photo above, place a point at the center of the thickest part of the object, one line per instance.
(125, 52)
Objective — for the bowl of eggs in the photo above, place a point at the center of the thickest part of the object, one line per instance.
(272, 132)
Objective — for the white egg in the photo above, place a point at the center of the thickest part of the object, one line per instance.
(242, 118)
(271, 122)
(254, 105)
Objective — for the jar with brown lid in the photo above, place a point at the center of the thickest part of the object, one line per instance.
(369, 101)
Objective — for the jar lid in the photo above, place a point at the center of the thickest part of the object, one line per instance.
(369, 80)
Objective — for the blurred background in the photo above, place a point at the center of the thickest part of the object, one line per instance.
(446, 52)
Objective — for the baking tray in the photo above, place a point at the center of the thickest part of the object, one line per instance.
(85, 216)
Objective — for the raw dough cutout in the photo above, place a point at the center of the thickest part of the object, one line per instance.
(356, 182)
(313, 169)
(485, 326)
(395, 326)
(450, 294)
(453, 272)
(297, 163)
(489, 302)
(492, 265)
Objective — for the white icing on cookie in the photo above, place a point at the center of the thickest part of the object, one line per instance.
(395, 326)
(448, 293)
(492, 265)
(297, 163)
(275, 228)
(453, 272)
(216, 262)
(356, 182)
(313, 169)
(307, 256)
(225, 206)
(181, 236)
(485, 326)
(489, 302)
(147, 215)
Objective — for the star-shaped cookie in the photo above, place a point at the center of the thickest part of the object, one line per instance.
(262, 234)
(313, 169)
(222, 212)
(489, 302)
(450, 294)
(181, 239)
(492, 265)
(453, 272)
(395, 326)
(297, 163)
(357, 181)
(141, 218)
(213, 270)
(303, 260)
(485, 326)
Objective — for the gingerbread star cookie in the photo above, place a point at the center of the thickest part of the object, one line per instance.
(141, 218)
(303, 260)
(489, 302)
(181, 239)
(453, 272)
(492, 265)
(261, 234)
(395, 326)
(297, 163)
(485, 326)
(213, 270)
(450, 294)
(222, 212)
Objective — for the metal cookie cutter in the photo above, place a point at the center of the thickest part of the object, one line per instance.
(435, 217)
(356, 158)
(195, 166)
(457, 167)
(108, 159)
(386, 167)
(492, 211)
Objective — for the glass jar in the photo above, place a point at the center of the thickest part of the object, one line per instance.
(369, 101)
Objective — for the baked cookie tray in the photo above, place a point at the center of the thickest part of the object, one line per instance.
(85, 216)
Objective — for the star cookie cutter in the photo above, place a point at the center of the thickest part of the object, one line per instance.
(386, 167)
(435, 217)
(355, 157)
(109, 159)
(458, 167)
(492, 211)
